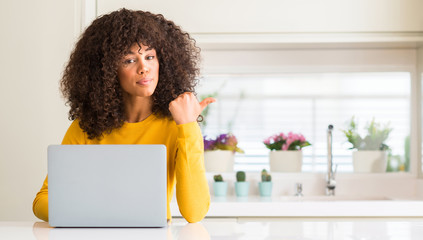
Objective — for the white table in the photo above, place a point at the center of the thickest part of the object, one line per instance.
(313, 206)
(228, 229)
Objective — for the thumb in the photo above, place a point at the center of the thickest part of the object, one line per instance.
(206, 101)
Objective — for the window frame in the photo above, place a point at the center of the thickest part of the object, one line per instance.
(415, 94)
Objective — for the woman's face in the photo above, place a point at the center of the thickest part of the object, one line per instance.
(138, 71)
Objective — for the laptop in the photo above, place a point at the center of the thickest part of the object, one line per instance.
(107, 185)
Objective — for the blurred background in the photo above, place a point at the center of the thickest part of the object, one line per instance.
(275, 66)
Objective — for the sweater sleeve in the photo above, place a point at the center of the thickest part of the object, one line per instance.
(192, 190)
(40, 204)
(74, 135)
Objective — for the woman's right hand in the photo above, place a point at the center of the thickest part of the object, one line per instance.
(186, 108)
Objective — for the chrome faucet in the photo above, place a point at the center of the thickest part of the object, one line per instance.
(299, 190)
(330, 177)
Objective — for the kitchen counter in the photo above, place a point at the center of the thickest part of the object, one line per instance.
(277, 228)
(311, 206)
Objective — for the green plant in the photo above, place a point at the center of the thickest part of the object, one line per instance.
(395, 163)
(407, 154)
(240, 176)
(398, 163)
(218, 178)
(265, 176)
(374, 139)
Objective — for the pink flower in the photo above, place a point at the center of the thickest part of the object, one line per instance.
(288, 143)
(284, 142)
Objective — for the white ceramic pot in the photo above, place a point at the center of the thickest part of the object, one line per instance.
(370, 161)
(285, 161)
(219, 161)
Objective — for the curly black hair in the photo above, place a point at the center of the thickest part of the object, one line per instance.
(90, 83)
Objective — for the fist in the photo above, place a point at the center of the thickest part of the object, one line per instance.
(186, 108)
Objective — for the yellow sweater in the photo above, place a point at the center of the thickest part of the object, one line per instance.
(185, 161)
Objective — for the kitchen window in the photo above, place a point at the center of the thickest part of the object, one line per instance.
(255, 106)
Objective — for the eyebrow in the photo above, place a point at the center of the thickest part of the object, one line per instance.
(131, 52)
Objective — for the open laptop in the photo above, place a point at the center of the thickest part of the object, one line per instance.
(107, 185)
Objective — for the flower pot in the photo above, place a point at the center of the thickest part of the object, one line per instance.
(241, 189)
(370, 161)
(265, 189)
(219, 161)
(285, 161)
(220, 188)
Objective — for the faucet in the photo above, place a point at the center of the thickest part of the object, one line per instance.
(330, 177)
(299, 190)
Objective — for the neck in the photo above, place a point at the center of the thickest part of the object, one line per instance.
(137, 109)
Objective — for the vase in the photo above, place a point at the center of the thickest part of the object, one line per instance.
(220, 188)
(219, 161)
(285, 161)
(370, 161)
(241, 189)
(265, 189)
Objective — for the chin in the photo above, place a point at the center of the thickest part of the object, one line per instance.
(147, 94)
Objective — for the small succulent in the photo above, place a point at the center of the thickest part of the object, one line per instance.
(218, 178)
(265, 176)
(240, 176)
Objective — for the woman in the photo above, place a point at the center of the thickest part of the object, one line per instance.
(130, 80)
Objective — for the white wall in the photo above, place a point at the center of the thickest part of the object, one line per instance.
(36, 40)
(270, 16)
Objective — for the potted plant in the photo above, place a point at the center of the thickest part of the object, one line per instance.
(241, 186)
(265, 186)
(219, 153)
(286, 154)
(371, 150)
(220, 187)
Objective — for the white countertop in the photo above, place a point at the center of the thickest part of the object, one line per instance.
(283, 228)
(311, 206)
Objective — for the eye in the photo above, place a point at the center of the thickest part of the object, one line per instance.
(150, 57)
(128, 61)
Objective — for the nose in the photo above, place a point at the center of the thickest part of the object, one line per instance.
(142, 68)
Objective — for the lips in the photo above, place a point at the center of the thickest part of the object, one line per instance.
(144, 81)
